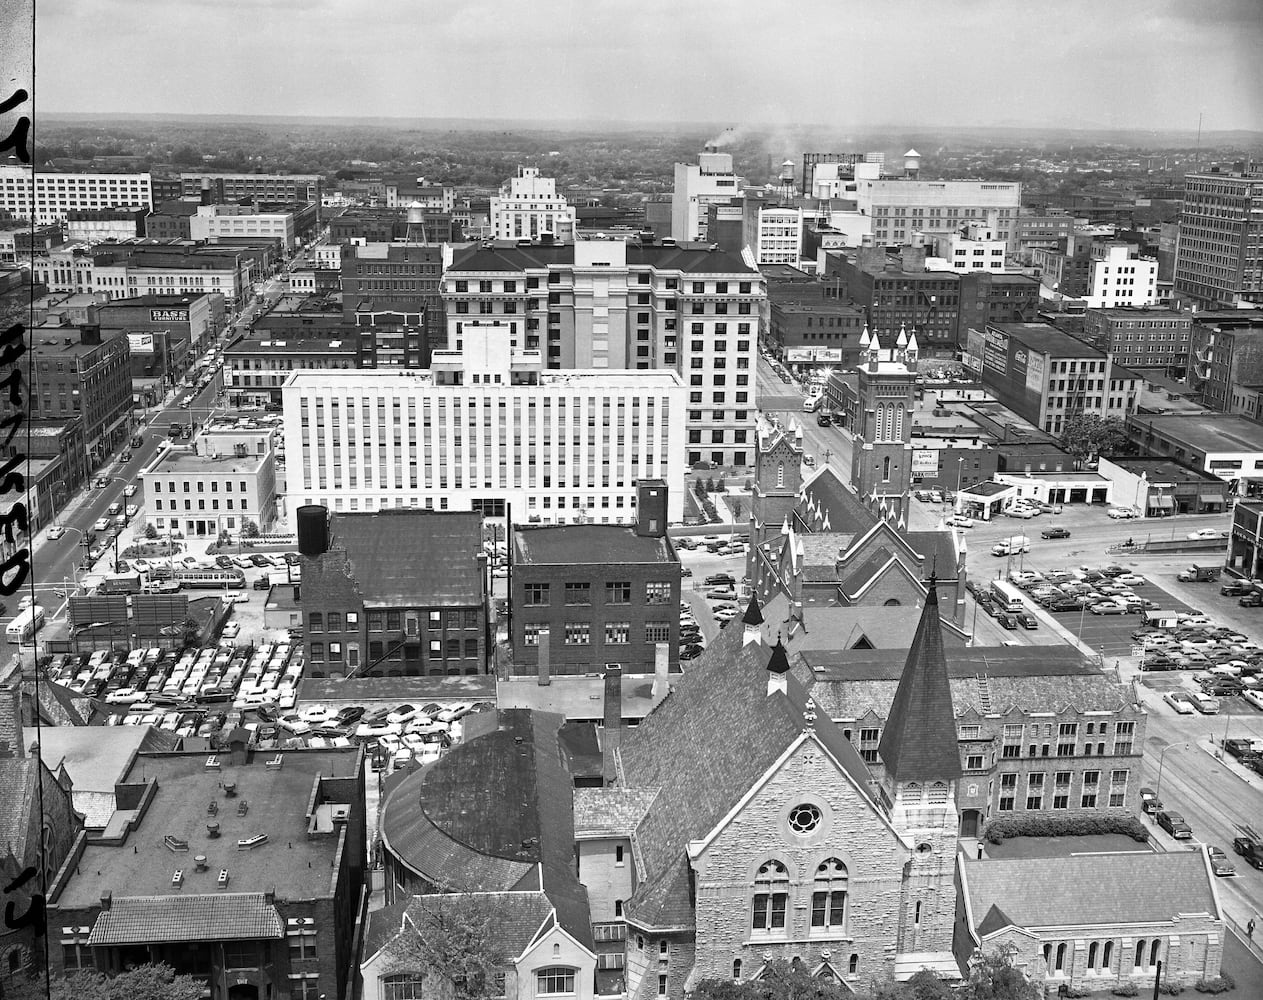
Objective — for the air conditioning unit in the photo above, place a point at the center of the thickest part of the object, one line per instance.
(341, 814)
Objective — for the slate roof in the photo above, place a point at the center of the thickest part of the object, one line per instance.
(847, 512)
(686, 750)
(513, 920)
(830, 629)
(384, 551)
(865, 571)
(224, 916)
(1086, 890)
(609, 812)
(918, 741)
(589, 543)
(695, 258)
(18, 784)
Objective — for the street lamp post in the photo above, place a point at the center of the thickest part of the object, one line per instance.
(1161, 760)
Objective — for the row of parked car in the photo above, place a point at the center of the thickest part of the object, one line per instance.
(1106, 590)
(692, 642)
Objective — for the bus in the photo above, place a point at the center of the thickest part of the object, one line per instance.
(23, 628)
(1007, 597)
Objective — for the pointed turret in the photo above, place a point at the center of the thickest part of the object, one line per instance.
(864, 339)
(919, 742)
(752, 620)
(777, 668)
(902, 340)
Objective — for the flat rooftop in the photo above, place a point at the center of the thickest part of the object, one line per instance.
(177, 461)
(1049, 340)
(276, 804)
(95, 757)
(1205, 431)
(1160, 469)
(589, 543)
(293, 345)
(384, 380)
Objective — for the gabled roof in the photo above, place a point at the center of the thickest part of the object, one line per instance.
(846, 511)
(609, 812)
(919, 738)
(1126, 888)
(703, 748)
(18, 792)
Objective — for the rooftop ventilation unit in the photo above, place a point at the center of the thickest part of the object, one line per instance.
(199, 863)
(249, 843)
(341, 814)
(177, 879)
(222, 881)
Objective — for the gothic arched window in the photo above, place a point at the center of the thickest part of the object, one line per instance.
(828, 895)
(771, 897)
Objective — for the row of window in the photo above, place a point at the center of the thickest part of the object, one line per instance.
(201, 504)
(580, 594)
(392, 621)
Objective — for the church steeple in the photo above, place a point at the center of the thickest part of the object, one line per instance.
(918, 742)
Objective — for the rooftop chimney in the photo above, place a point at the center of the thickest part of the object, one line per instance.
(661, 667)
(651, 508)
(543, 670)
(612, 735)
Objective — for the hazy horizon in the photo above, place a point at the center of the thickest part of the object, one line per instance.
(844, 64)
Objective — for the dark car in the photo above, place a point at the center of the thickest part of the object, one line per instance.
(1250, 849)
(1158, 661)
(293, 558)
(1149, 801)
(691, 652)
(1236, 588)
(720, 580)
(224, 562)
(824, 420)
(1254, 600)
(1222, 687)
(348, 715)
(1005, 621)
(265, 713)
(1219, 862)
(1054, 533)
(1174, 824)
(1026, 619)
(1062, 605)
(260, 561)
(263, 583)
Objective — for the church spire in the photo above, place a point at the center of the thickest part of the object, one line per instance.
(919, 740)
(752, 620)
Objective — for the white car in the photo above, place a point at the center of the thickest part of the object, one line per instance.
(316, 714)
(55, 532)
(129, 490)
(125, 696)
(1204, 533)
(1129, 579)
(1121, 513)
(1255, 698)
(957, 521)
(102, 524)
(236, 597)
(288, 698)
(1179, 701)
(130, 511)
(231, 630)
(454, 712)
(404, 713)
(293, 724)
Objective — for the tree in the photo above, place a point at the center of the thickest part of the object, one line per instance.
(737, 506)
(992, 976)
(454, 938)
(1087, 435)
(150, 531)
(141, 982)
(250, 530)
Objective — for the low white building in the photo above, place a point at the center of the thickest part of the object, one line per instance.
(487, 426)
(224, 479)
(975, 247)
(529, 206)
(1121, 277)
(220, 223)
(327, 255)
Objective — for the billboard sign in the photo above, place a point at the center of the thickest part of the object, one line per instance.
(925, 462)
(995, 351)
(813, 354)
(140, 343)
(168, 315)
(1035, 373)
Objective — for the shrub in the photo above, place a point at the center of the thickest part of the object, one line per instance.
(1220, 984)
(1126, 990)
(1170, 989)
(1036, 825)
(1076, 991)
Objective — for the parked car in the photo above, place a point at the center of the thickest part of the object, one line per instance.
(1027, 620)
(129, 490)
(1107, 608)
(1202, 533)
(1149, 801)
(294, 724)
(1005, 621)
(720, 580)
(1219, 863)
(722, 594)
(1054, 533)
(1174, 824)
(1121, 513)
(1179, 701)
(1236, 588)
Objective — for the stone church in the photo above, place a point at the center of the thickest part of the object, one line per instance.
(748, 828)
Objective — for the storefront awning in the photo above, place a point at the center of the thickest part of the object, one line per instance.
(1210, 498)
(1163, 502)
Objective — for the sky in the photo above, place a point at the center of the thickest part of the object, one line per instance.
(1155, 64)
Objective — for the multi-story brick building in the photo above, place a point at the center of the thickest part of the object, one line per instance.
(601, 304)
(1142, 338)
(272, 189)
(1035, 230)
(246, 871)
(902, 207)
(1046, 376)
(367, 610)
(79, 374)
(486, 429)
(99, 224)
(995, 298)
(191, 319)
(600, 593)
(897, 291)
(256, 370)
(823, 333)
(170, 220)
(1219, 260)
(1225, 351)
(1037, 732)
(391, 292)
(1065, 270)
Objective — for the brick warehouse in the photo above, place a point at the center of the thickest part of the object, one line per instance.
(585, 595)
(245, 869)
(366, 609)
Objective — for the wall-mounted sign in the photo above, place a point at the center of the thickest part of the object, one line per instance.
(168, 315)
(140, 343)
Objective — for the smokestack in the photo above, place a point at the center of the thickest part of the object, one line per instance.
(543, 670)
(612, 735)
(206, 191)
(661, 667)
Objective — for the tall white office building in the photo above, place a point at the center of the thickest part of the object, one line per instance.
(698, 186)
(486, 426)
(529, 206)
(50, 196)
